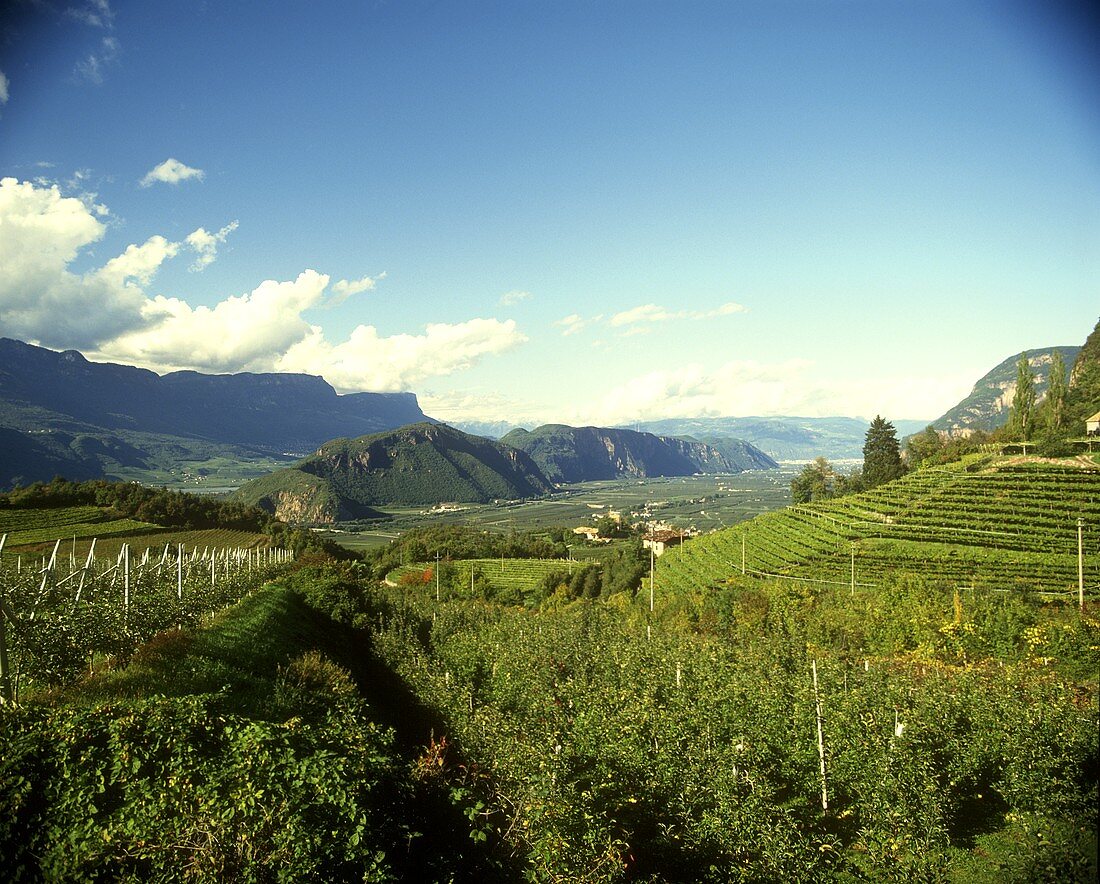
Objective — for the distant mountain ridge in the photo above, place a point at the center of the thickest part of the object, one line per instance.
(584, 454)
(421, 464)
(783, 438)
(72, 413)
(989, 403)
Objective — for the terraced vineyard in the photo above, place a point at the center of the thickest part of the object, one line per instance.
(1003, 524)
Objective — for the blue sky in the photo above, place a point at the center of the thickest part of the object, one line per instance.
(583, 212)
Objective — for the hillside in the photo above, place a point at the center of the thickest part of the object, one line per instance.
(990, 401)
(783, 438)
(1083, 400)
(419, 464)
(999, 524)
(584, 454)
(84, 418)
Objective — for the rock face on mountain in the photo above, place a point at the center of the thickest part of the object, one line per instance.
(583, 454)
(416, 465)
(51, 399)
(989, 403)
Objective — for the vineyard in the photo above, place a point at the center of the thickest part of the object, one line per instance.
(32, 526)
(1000, 525)
(507, 578)
(61, 613)
(613, 746)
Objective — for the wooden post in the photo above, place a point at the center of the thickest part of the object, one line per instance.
(742, 553)
(179, 574)
(652, 567)
(820, 742)
(853, 570)
(437, 577)
(126, 580)
(1080, 567)
(5, 671)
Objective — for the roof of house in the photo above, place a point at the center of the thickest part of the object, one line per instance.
(1095, 417)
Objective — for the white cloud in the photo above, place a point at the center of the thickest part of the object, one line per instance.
(205, 245)
(107, 313)
(791, 387)
(574, 323)
(647, 313)
(93, 66)
(344, 288)
(41, 233)
(368, 361)
(644, 313)
(510, 299)
(138, 263)
(243, 332)
(96, 13)
(171, 171)
(4, 90)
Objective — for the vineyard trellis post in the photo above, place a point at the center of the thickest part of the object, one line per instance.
(1080, 566)
(5, 673)
(820, 740)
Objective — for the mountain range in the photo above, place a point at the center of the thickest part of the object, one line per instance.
(63, 414)
(584, 454)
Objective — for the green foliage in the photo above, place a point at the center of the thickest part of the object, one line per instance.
(881, 454)
(817, 481)
(1083, 397)
(1021, 420)
(1053, 413)
(464, 542)
(683, 757)
(128, 499)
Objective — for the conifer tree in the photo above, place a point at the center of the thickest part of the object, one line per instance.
(881, 453)
(1021, 418)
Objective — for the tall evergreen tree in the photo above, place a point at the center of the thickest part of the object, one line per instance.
(1021, 419)
(1055, 406)
(881, 453)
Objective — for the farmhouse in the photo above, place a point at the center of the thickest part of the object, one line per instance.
(1092, 425)
(662, 540)
(591, 534)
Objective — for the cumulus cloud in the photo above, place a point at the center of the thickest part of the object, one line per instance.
(41, 299)
(368, 361)
(510, 299)
(242, 332)
(108, 313)
(343, 289)
(205, 245)
(171, 171)
(4, 88)
(94, 65)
